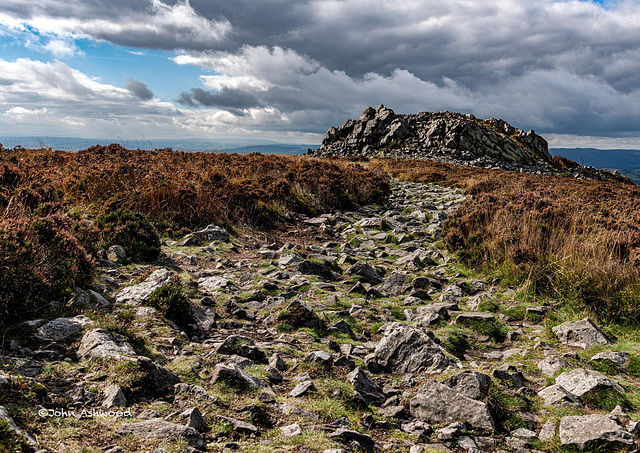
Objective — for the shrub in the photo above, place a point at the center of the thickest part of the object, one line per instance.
(40, 261)
(132, 231)
(172, 303)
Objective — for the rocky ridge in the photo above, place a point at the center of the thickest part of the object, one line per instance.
(355, 331)
(444, 136)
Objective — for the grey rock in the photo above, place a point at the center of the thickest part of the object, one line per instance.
(365, 272)
(160, 429)
(557, 395)
(406, 349)
(550, 365)
(347, 436)
(19, 366)
(290, 431)
(308, 267)
(451, 432)
(139, 294)
(113, 397)
(582, 334)
(242, 346)
(429, 314)
(277, 362)
(321, 358)
(241, 427)
(548, 431)
(368, 390)
(594, 431)
(523, 433)
(620, 359)
(475, 317)
(159, 379)
(580, 382)
(302, 389)
(237, 376)
(471, 384)
(211, 285)
(436, 403)
(4, 415)
(97, 301)
(194, 419)
(62, 328)
(300, 314)
(395, 284)
(100, 343)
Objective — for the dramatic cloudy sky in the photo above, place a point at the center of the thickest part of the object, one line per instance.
(289, 69)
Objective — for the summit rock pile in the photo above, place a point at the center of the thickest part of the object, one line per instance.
(444, 136)
(454, 138)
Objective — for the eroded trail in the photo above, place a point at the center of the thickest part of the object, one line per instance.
(355, 330)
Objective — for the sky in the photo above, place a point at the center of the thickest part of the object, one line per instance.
(287, 70)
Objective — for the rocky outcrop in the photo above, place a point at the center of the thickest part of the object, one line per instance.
(444, 136)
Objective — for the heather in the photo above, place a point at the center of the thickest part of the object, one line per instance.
(566, 238)
(60, 210)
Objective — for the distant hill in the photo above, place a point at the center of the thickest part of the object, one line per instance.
(229, 145)
(627, 161)
(618, 159)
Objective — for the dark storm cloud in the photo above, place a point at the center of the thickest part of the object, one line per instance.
(139, 89)
(226, 98)
(553, 65)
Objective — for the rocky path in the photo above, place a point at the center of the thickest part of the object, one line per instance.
(354, 331)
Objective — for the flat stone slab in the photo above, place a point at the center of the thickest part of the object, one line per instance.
(580, 382)
(157, 428)
(592, 431)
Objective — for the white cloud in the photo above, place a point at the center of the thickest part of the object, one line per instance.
(150, 23)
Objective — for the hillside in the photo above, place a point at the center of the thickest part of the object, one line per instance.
(449, 137)
(217, 302)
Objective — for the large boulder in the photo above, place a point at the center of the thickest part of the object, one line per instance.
(436, 403)
(139, 294)
(602, 432)
(581, 334)
(406, 349)
(157, 428)
(100, 343)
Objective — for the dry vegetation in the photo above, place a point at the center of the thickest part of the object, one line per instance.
(571, 239)
(59, 209)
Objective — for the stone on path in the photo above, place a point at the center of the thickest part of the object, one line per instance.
(581, 334)
(594, 431)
